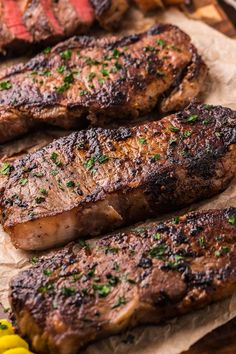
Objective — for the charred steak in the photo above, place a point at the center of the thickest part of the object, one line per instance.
(146, 275)
(27, 22)
(101, 79)
(98, 180)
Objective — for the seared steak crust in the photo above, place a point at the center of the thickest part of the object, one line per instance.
(97, 180)
(146, 275)
(101, 79)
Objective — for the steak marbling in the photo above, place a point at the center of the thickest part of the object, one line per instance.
(97, 80)
(100, 179)
(145, 275)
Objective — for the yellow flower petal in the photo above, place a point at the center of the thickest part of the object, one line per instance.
(12, 341)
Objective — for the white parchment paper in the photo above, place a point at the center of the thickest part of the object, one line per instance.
(177, 335)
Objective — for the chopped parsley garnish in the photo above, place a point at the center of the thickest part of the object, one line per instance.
(5, 85)
(101, 81)
(193, 118)
(158, 251)
(68, 291)
(61, 69)
(142, 141)
(149, 48)
(102, 158)
(232, 220)
(222, 251)
(175, 220)
(174, 129)
(156, 157)
(47, 50)
(23, 181)
(91, 76)
(104, 72)
(47, 272)
(187, 133)
(54, 158)
(157, 236)
(39, 200)
(206, 121)
(5, 168)
(43, 191)
(46, 288)
(172, 46)
(102, 289)
(201, 241)
(112, 280)
(66, 55)
(83, 92)
(70, 184)
(34, 260)
(54, 172)
(172, 141)
(207, 106)
(90, 163)
(116, 53)
(120, 301)
(161, 42)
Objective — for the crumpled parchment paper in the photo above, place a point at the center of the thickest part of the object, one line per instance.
(180, 333)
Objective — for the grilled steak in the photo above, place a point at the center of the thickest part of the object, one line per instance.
(86, 78)
(98, 180)
(146, 275)
(26, 22)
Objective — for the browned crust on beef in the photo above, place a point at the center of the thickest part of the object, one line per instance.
(110, 79)
(118, 176)
(151, 273)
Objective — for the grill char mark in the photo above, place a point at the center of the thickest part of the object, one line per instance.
(145, 275)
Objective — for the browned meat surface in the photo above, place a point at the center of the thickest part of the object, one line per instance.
(147, 5)
(146, 275)
(98, 180)
(100, 80)
(27, 22)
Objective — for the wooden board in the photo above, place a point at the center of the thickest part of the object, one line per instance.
(215, 13)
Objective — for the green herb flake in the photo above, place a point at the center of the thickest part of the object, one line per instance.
(149, 48)
(43, 191)
(192, 119)
(142, 141)
(173, 141)
(39, 200)
(187, 134)
(156, 157)
(202, 241)
(70, 184)
(158, 251)
(102, 158)
(102, 289)
(47, 272)
(89, 164)
(161, 42)
(112, 279)
(104, 72)
(120, 301)
(44, 289)
(23, 181)
(66, 55)
(116, 53)
(5, 168)
(61, 69)
(157, 236)
(34, 260)
(47, 50)
(176, 220)
(91, 76)
(174, 129)
(222, 251)
(68, 291)
(83, 92)
(232, 220)
(5, 85)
